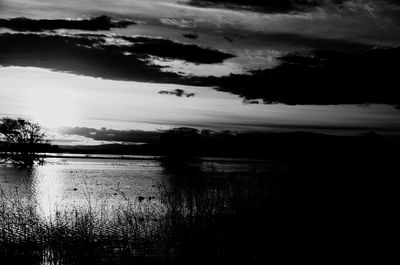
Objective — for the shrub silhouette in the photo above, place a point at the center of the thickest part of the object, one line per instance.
(180, 143)
(21, 140)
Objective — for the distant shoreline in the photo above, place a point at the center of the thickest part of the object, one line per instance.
(148, 157)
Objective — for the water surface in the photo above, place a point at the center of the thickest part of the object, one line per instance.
(66, 183)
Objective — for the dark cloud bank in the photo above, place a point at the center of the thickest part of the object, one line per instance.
(351, 74)
(90, 55)
(177, 92)
(322, 77)
(140, 47)
(92, 24)
(278, 6)
(269, 6)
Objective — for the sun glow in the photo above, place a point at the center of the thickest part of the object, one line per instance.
(52, 107)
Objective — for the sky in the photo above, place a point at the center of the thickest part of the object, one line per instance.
(221, 65)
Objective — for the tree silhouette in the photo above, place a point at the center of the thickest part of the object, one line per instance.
(21, 140)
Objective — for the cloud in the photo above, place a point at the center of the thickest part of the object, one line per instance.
(193, 36)
(181, 23)
(74, 140)
(92, 24)
(110, 135)
(93, 55)
(285, 39)
(268, 6)
(296, 6)
(172, 50)
(335, 72)
(321, 77)
(321, 17)
(251, 101)
(177, 92)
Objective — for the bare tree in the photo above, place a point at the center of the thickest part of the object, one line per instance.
(21, 140)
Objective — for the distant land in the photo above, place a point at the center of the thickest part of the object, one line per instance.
(189, 142)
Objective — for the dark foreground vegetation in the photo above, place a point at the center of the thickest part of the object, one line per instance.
(216, 217)
(336, 201)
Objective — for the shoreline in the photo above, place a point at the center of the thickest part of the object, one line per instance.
(149, 157)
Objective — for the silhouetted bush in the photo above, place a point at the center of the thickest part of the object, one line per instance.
(181, 144)
(21, 141)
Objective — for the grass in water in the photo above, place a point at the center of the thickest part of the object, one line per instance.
(220, 217)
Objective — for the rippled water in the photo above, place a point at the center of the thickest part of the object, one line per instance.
(74, 182)
(65, 182)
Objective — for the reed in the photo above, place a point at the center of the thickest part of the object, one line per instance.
(214, 216)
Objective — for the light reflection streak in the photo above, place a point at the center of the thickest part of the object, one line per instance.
(48, 185)
(101, 186)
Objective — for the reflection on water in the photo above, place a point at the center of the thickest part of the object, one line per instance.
(48, 183)
(66, 183)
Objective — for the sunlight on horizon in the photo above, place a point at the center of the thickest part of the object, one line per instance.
(55, 99)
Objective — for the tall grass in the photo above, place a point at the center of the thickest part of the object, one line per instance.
(214, 216)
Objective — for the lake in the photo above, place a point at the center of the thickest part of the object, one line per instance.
(68, 182)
